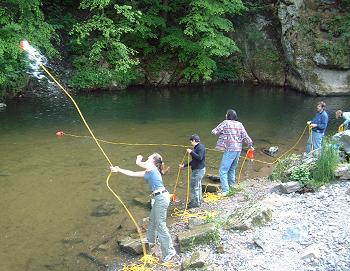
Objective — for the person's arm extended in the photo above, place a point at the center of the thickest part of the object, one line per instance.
(218, 129)
(128, 172)
(140, 163)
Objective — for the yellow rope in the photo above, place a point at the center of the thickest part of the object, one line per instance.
(341, 128)
(210, 197)
(240, 171)
(178, 176)
(105, 155)
(148, 262)
(184, 146)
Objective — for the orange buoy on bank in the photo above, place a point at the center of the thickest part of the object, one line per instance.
(172, 197)
(250, 154)
(60, 133)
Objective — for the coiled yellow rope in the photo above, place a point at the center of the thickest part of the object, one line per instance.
(147, 263)
(341, 128)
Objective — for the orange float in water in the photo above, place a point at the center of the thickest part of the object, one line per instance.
(250, 154)
(172, 197)
(60, 133)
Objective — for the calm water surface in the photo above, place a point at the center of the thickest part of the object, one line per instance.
(49, 186)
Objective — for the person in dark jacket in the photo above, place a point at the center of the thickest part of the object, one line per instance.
(198, 170)
(319, 125)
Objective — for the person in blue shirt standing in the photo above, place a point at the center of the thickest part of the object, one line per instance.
(319, 125)
(152, 173)
(198, 170)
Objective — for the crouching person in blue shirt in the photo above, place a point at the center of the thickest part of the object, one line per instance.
(154, 169)
(319, 125)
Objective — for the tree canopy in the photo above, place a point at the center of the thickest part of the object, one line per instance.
(109, 44)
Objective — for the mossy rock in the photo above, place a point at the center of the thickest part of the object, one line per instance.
(249, 218)
(201, 234)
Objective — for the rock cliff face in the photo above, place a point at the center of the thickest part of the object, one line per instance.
(299, 43)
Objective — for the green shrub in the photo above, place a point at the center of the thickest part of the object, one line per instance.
(301, 174)
(280, 173)
(324, 171)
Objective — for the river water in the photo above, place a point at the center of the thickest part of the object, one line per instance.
(50, 186)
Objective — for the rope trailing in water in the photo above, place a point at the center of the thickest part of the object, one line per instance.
(184, 146)
(103, 152)
(209, 197)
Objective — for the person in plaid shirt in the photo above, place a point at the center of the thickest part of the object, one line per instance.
(231, 134)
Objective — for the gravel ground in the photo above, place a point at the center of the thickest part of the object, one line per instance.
(318, 222)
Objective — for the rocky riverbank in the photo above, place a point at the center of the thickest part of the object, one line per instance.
(308, 231)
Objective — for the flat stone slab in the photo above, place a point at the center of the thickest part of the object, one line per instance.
(131, 246)
(249, 218)
(287, 188)
(201, 234)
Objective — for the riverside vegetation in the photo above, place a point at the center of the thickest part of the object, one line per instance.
(101, 44)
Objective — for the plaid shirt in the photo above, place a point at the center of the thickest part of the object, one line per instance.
(231, 135)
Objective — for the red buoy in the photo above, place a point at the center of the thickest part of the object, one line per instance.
(250, 154)
(60, 133)
(24, 44)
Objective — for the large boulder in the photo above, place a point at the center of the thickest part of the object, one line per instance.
(343, 139)
(319, 62)
(262, 54)
(342, 172)
(287, 188)
(131, 246)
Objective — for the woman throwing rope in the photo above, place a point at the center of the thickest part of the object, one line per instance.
(154, 169)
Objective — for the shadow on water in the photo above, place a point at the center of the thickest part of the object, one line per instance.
(51, 186)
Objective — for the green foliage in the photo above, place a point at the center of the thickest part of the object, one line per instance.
(301, 174)
(335, 45)
(280, 173)
(324, 171)
(234, 190)
(311, 175)
(205, 25)
(228, 68)
(110, 44)
(20, 19)
(104, 60)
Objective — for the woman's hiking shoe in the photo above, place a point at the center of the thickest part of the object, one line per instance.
(168, 257)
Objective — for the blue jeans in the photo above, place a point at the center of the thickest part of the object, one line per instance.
(314, 142)
(196, 186)
(157, 224)
(227, 170)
